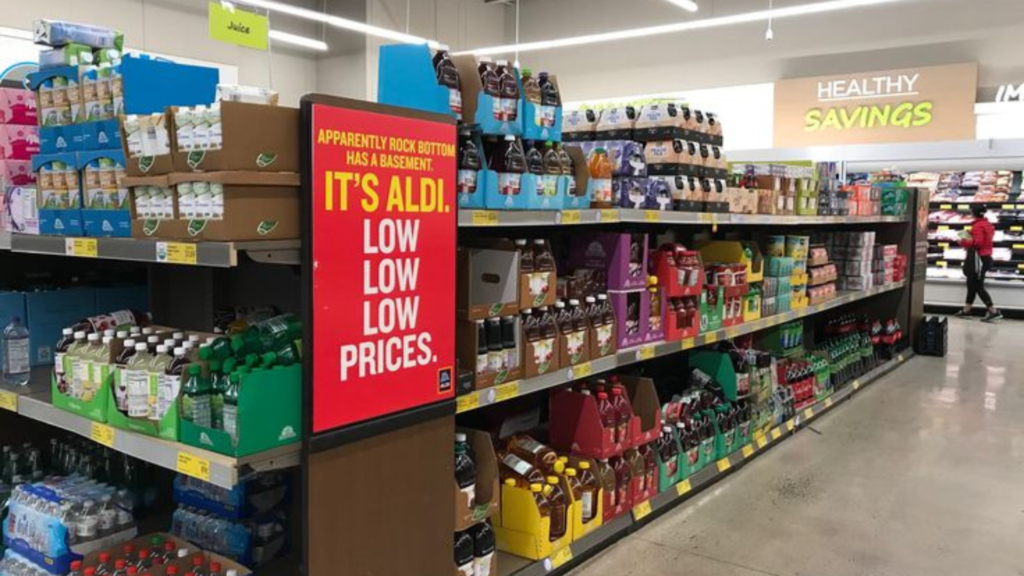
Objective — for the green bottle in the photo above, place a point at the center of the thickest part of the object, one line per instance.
(196, 398)
(231, 406)
(218, 383)
(245, 343)
(251, 360)
(268, 360)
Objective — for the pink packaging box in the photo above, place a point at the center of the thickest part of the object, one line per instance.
(18, 142)
(623, 256)
(18, 106)
(632, 316)
(16, 173)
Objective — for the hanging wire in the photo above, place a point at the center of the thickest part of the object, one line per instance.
(145, 47)
(770, 34)
(517, 34)
(408, 14)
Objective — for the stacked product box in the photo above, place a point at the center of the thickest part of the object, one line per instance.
(19, 141)
(854, 255)
(83, 86)
(884, 261)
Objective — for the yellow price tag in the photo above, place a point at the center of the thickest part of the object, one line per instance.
(194, 466)
(1016, 228)
(711, 337)
(645, 353)
(944, 245)
(561, 558)
(943, 228)
(81, 247)
(8, 401)
(942, 264)
(945, 206)
(1018, 246)
(687, 344)
(808, 413)
(790, 425)
(706, 217)
(828, 402)
(761, 441)
(731, 333)
(468, 402)
(609, 215)
(641, 511)
(485, 218)
(102, 434)
(176, 253)
(900, 358)
(776, 433)
(506, 391)
(724, 464)
(683, 487)
(652, 215)
(1007, 206)
(571, 217)
(748, 451)
(856, 384)
(582, 370)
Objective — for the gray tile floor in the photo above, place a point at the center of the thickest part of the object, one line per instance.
(920, 474)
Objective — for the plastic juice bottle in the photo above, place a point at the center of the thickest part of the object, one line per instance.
(158, 364)
(483, 548)
(229, 412)
(606, 479)
(495, 352)
(548, 323)
(544, 261)
(650, 466)
(623, 474)
(592, 311)
(623, 413)
(196, 398)
(90, 354)
(579, 315)
(219, 382)
(568, 167)
(529, 449)
(525, 256)
(465, 469)
(522, 471)
(464, 565)
(606, 412)
(552, 169)
(508, 342)
(543, 504)
(481, 348)
(559, 507)
(509, 162)
(469, 163)
(563, 317)
(531, 87)
(136, 380)
(490, 83)
(636, 465)
(509, 90)
(531, 325)
(74, 367)
(535, 166)
(600, 168)
(121, 383)
(575, 486)
(152, 342)
(448, 76)
(668, 450)
(589, 489)
(550, 100)
(606, 307)
(59, 351)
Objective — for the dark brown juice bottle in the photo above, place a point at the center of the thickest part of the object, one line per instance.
(448, 76)
(552, 160)
(489, 78)
(589, 489)
(606, 411)
(548, 323)
(531, 325)
(510, 164)
(534, 158)
(469, 163)
(531, 87)
(595, 318)
(520, 470)
(525, 256)
(559, 507)
(579, 316)
(563, 317)
(548, 90)
(509, 90)
(606, 479)
(650, 467)
(544, 261)
(623, 474)
(668, 450)
(543, 504)
(636, 466)
(572, 477)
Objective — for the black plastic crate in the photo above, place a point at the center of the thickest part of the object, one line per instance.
(933, 336)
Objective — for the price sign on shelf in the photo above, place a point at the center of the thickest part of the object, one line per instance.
(645, 352)
(176, 253)
(748, 451)
(571, 217)
(724, 464)
(81, 247)
(776, 433)
(687, 343)
(582, 370)
(485, 218)
(194, 466)
(468, 402)
(761, 441)
(856, 384)
(8, 401)
(561, 558)
(102, 434)
(790, 425)
(808, 413)
(608, 215)
(683, 487)
(652, 215)
(506, 391)
(641, 511)
(828, 402)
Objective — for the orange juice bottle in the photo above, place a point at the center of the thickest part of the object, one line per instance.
(590, 489)
(601, 178)
(559, 507)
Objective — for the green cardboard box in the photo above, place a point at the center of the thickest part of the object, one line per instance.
(711, 316)
(166, 428)
(94, 408)
(269, 415)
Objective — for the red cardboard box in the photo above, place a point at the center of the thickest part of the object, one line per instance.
(576, 427)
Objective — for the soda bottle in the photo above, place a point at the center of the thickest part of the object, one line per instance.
(623, 414)
(519, 470)
(533, 451)
(509, 89)
(465, 469)
(483, 548)
(623, 474)
(559, 507)
(448, 76)
(531, 87)
(508, 342)
(589, 489)
(491, 85)
(668, 450)
(135, 378)
(469, 163)
(481, 348)
(606, 411)
(195, 401)
(59, 351)
(229, 410)
(219, 383)
(495, 352)
(600, 168)
(464, 553)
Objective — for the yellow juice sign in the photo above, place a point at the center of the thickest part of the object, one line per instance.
(234, 25)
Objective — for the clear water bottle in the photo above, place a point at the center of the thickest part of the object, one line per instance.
(14, 352)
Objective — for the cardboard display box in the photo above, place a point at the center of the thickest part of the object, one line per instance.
(256, 137)
(485, 285)
(521, 530)
(514, 367)
(486, 505)
(623, 256)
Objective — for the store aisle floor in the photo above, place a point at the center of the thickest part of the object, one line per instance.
(920, 473)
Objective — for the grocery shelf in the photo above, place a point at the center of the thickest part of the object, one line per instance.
(950, 292)
(214, 254)
(561, 562)
(5, 240)
(491, 218)
(489, 396)
(33, 402)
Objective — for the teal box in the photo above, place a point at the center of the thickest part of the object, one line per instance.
(61, 222)
(406, 78)
(50, 312)
(533, 118)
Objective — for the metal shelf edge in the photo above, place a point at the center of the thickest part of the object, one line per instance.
(498, 218)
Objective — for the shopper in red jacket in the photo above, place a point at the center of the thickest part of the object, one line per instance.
(978, 263)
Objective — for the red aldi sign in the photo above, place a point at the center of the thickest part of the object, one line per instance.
(383, 250)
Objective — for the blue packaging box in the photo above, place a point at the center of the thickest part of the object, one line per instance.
(50, 312)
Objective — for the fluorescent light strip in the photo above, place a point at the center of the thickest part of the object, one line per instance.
(688, 5)
(15, 33)
(278, 36)
(338, 22)
(744, 18)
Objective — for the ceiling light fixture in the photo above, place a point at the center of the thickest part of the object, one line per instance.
(745, 18)
(688, 5)
(769, 34)
(302, 41)
(338, 22)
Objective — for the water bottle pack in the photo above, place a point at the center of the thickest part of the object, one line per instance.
(253, 542)
(256, 496)
(14, 564)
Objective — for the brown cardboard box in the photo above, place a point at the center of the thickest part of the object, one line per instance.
(602, 341)
(574, 347)
(486, 283)
(487, 494)
(143, 229)
(541, 357)
(466, 352)
(184, 565)
(256, 137)
(148, 165)
(537, 289)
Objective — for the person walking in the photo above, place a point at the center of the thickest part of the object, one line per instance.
(978, 262)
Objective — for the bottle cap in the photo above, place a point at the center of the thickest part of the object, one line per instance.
(602, 395)
(197, 560)
(570, 472)
(602, 296)
(520, 241)
(107, 340)
(178, 335)
(584, 465)
(108, 332)
(563, 459)
(194, 338)
(666, 429)
(152, 339)
(510, 482)
(119, 564)
(170, 342)
(559, 467)
(552, 479)
(161, 349)
(460, 437)
(67, 332)
(141, 347)
(80, 335)
(510, 138)
(94, 337)
(591, 299)
(535, 487)
(179, 351)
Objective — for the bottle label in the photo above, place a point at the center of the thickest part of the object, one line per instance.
(550, 185)
(510, 107)
(467, 182)
(540, 187)
(455, 102)
(572, 185)
(517, 464)
(495, 361)
(547, 116)
(531, 445)
(602, 190)
(16, 359)
(498, 108)
(197, 409)
(481, 364)
(81, 375)
(588, 506)
(58, 363)
(470, 493)
(167, 391)
(466, 569)
(482, 565)
(510, 183)
(138, 393)
(231, 420)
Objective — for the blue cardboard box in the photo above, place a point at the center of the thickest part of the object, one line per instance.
(50, 312)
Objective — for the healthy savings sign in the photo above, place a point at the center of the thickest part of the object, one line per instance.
(912, 105)
(383, 259)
